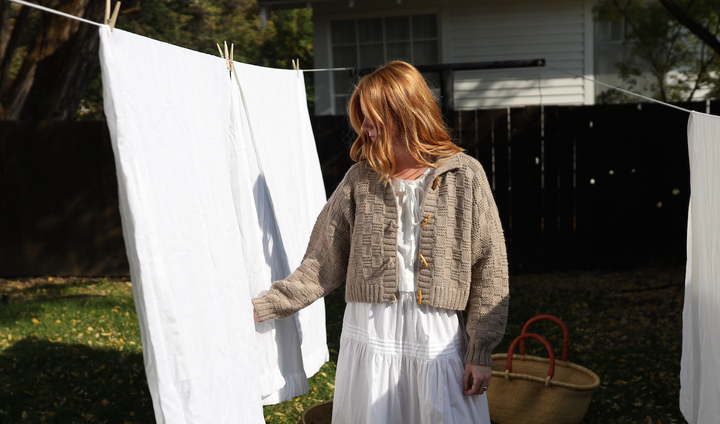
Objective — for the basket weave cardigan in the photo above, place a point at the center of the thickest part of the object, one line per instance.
(462, 258)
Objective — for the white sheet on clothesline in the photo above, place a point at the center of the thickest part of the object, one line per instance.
(289, 196)
(700, 364)
(205, 232)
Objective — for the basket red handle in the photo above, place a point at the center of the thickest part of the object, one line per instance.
(566, 333)
(522, 337)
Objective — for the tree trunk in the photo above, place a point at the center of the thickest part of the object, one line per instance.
(4, 26)
(9, 52)
(62, 77)
(58, 66)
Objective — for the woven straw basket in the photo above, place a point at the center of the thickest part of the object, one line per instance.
(320, 413)
(532, 390)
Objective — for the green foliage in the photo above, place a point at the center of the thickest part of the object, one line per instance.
(201, 24)
(678, 63)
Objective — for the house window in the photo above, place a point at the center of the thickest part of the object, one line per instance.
(371, 42)
(610, 32)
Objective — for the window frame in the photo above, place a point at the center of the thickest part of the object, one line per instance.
(335, 96)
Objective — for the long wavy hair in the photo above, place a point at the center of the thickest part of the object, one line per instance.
(398, 100)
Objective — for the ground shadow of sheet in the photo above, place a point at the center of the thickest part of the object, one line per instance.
(67, 383)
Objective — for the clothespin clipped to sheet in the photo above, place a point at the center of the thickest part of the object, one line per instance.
(296, 66)
(227, 56)
(108, 19)
(232, 54)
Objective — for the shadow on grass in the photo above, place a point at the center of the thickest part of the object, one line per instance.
(72, 383)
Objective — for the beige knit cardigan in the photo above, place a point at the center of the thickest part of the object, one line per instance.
(462, 258)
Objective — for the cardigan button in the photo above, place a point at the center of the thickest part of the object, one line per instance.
(425, 221)
(422, 258)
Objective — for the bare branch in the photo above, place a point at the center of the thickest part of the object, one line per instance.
(694, 26)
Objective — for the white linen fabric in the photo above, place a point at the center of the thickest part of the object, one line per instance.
(180, 228)
(700, 363)
(205, 232)
(261, 256)
(290, 176)
(404, 362)
(407, 195)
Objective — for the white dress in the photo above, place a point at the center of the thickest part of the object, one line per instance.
(404, 362)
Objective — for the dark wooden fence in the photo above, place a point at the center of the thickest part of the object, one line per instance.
(585, 187)
(577, 187)
(58, 201)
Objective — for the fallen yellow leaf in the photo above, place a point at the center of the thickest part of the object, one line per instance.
(35, 321)
(104, 402)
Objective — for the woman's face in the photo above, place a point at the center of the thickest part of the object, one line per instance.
(367, 125)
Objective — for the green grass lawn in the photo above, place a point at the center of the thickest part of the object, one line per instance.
(70, 349)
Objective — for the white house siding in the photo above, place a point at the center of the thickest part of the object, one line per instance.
(556, 31)
(560, 31)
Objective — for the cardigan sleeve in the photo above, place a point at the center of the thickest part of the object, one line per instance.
(489, 291)
(324, 265)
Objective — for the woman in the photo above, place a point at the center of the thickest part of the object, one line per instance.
(414, 232)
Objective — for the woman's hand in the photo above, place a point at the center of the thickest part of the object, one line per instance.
(255, 317)
(476, 379)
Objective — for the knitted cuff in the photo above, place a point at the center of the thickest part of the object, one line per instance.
(264, 308)
(478, 355)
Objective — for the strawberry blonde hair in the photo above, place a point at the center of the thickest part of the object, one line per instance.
(397, 98)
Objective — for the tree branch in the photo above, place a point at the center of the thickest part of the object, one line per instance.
(9, 53)
(4, 26)
(694, 26)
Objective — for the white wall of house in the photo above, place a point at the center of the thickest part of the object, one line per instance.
(560, 31)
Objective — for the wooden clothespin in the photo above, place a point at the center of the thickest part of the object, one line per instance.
(232, 54)
(296, 66)
(227, 57)
(111, 20)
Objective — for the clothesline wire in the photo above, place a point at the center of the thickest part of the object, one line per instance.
(328, 69)
(621, 89)
(56, 12)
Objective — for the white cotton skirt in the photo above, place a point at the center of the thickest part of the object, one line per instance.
(403, 363)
